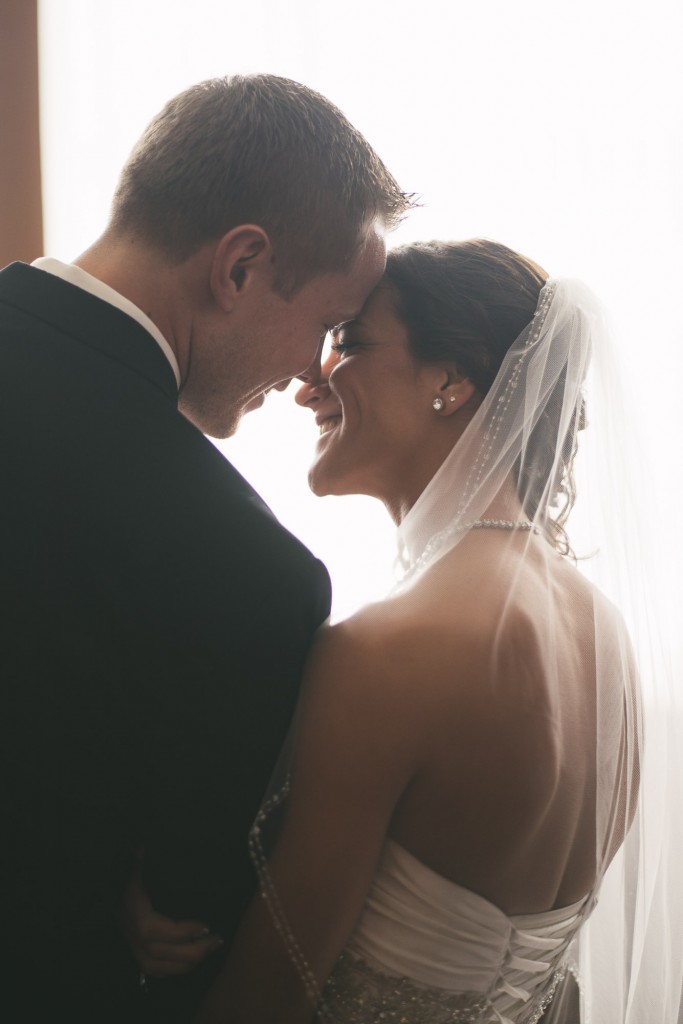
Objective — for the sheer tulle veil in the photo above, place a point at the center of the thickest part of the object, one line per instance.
(560, 377)
(556, 412)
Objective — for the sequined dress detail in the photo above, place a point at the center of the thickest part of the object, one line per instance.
(428, 951)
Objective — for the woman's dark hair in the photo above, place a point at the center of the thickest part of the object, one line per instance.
(467, 302)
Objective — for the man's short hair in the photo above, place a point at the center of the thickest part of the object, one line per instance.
(257, 149)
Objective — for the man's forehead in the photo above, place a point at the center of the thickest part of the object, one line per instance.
(349, 290)
(375, 249)
(369, 268)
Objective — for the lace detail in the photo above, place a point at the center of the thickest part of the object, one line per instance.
(357, 993)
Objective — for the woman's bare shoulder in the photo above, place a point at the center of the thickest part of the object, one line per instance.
(408, 654)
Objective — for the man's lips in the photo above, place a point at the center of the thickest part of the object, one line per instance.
(257, 401)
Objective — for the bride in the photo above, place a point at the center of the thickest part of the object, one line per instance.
(466, 761)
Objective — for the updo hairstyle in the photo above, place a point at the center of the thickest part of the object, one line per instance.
(467, 302)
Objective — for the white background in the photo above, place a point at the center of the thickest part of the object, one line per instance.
(556, 128)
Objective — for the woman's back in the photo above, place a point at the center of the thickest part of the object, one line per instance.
(489, 868)
(504, 697)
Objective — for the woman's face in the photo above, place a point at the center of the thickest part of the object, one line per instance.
(379, 433)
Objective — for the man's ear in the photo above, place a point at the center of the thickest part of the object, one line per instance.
(454, 389)
(242, 255)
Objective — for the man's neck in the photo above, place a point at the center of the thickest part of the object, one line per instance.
(163, 291)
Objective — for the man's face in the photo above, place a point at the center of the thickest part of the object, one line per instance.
(269, 340)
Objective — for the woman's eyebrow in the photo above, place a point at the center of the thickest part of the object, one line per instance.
(345, 325)
(354, 322)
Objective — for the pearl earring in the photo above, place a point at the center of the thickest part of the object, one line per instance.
(452, 398)
(437, 404)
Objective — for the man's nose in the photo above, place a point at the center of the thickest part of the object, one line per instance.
(314, 386)
(308, 393)
(311, 374)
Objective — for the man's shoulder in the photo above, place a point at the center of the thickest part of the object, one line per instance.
(23, 287)
(61, 331)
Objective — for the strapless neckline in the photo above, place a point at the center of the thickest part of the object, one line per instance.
(450, 889)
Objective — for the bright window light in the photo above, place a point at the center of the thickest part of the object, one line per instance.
(552, 127)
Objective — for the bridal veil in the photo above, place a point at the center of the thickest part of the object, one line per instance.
(554, 427)
(557, 400)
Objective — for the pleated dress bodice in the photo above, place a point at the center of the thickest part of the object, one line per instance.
(429, 951)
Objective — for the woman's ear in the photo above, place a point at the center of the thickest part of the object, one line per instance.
(455, 390)
(241, 256)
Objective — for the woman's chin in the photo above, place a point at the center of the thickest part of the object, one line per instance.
(325, 480)
(319, 483)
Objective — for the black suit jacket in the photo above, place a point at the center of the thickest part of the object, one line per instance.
(154, 621)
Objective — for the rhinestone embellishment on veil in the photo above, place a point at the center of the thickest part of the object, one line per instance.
(534, 330)
(501, 524)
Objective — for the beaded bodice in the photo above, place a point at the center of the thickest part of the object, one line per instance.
(360, 994)
(427, 951)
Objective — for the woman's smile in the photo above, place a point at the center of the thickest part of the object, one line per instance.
(328, 424)
(378, 432)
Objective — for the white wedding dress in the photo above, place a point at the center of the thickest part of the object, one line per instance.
(428, 951)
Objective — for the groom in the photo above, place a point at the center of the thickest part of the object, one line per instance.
(155, 616)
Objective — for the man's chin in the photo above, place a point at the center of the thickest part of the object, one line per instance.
(218, 429)
(228, 426)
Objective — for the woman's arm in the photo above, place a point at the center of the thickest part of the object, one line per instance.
(358, 746)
